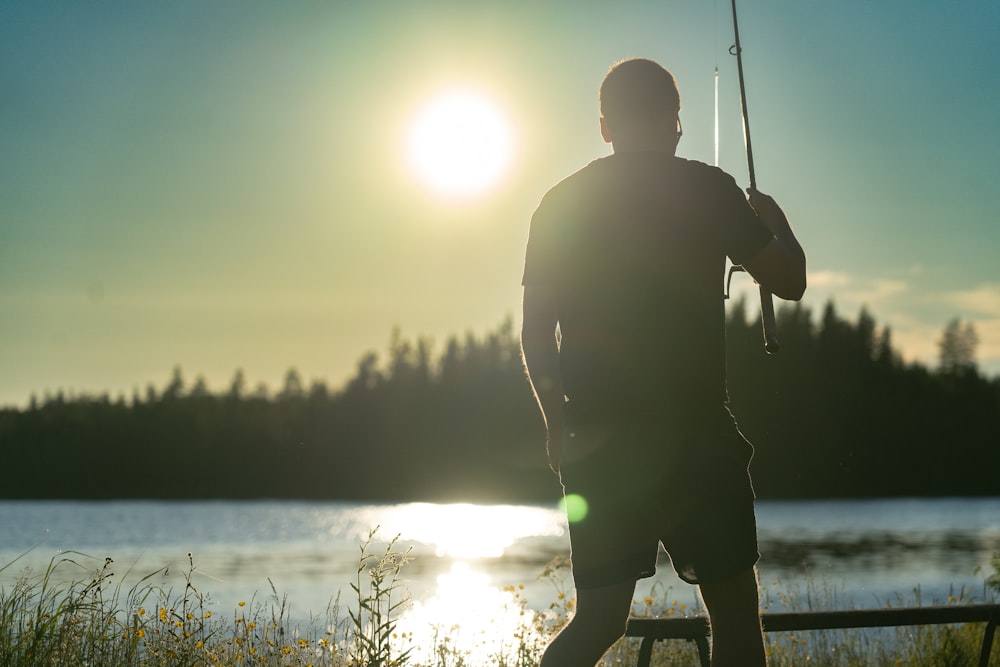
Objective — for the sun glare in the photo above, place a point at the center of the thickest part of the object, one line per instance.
(460, 143)
(469, 531)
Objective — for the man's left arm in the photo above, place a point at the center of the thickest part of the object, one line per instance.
(540, 350)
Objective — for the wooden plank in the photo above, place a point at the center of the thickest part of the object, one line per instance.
(696, 628)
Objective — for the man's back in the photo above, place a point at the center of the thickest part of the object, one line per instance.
(634, 246)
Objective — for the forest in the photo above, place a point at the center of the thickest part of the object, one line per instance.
(836, 413)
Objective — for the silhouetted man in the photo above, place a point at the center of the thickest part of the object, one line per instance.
(624, 342)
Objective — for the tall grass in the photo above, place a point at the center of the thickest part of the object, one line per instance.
(94, 620)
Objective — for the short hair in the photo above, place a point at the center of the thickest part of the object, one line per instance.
(637, 91)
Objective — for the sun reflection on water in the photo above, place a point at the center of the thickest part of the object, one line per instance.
(465, 613)
(466, 616)
(461, 530)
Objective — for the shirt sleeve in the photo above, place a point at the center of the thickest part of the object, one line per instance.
(541, 257)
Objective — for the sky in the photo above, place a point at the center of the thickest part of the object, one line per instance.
(225, 185)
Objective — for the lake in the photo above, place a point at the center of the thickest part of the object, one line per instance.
(857, 553)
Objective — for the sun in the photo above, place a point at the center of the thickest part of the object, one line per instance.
(460, 143)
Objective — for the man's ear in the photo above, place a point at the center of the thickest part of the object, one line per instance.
(605, 130)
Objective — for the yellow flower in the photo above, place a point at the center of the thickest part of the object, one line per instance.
(141, 612)
(140, 633)
(208, 614)
(242, 603)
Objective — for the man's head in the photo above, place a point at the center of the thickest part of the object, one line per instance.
(639, 103)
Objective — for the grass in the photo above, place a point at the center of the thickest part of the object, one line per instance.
(94, 620)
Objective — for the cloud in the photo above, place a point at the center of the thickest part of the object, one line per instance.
(983, 300)
(828, 279)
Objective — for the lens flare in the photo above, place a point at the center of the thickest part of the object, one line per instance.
(575, 507)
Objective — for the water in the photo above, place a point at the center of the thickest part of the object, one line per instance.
(855, 553)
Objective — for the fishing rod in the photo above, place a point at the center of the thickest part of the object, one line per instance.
(766, 301)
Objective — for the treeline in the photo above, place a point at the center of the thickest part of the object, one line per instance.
(835, 414)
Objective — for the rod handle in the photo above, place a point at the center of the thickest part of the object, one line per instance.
(767, 319)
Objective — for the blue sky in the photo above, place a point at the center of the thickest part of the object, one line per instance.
(223, 185)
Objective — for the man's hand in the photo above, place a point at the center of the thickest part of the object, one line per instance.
(768, 211)
(780, 267)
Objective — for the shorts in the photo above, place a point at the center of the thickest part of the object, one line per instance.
(645, 482)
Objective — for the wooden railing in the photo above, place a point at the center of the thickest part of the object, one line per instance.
(696, 628)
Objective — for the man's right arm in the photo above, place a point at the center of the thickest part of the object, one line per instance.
(780, 266)
(540, 350)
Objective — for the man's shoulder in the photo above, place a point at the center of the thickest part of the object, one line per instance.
(590, 172)
(571, 190)
(702, 170)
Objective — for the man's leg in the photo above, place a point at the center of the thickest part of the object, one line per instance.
(600, 619)
(734, 610)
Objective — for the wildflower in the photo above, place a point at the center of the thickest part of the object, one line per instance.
(141, 612)
(242, 603)
(208, 614)
(140, 633)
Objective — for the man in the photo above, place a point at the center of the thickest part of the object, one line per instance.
(624, 342)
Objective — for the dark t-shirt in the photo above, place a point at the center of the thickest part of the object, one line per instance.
(634, 245)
